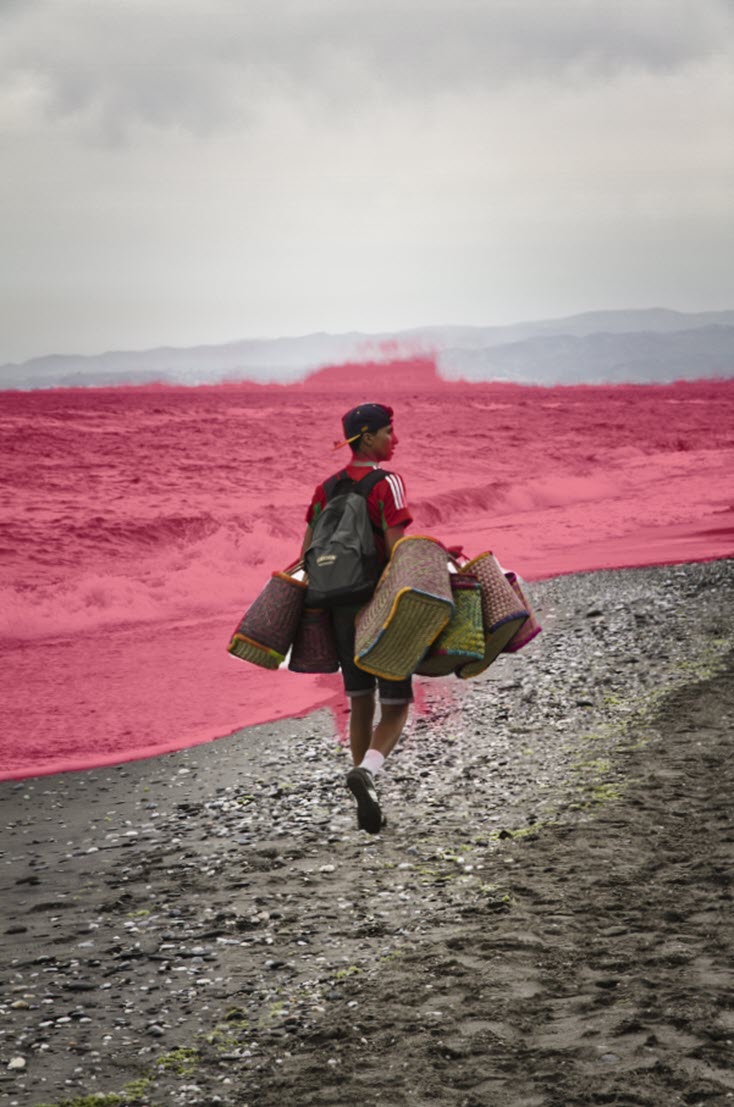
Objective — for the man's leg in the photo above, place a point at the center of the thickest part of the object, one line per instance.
(361, 779)
(392, 720)
(358, 685)
(361, 718)
(369, 747)
(360, 688)
(384, 738)
(371, 755)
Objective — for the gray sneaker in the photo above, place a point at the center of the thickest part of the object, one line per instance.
(361, 784)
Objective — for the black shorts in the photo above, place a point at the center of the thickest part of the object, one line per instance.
(356, 681)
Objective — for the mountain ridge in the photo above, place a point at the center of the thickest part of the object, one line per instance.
(653, 344)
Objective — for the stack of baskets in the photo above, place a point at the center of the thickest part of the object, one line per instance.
(278, 621)
(410, 608)
(314, 649)
(425, 619)
(503, 612)
(462, 639)
(268, 627)
(529, 629)
(422, 618)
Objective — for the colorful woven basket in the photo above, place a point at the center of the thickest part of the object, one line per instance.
(269, 625)
(462, 639)
(503, 613)
(530, 628)
(410, 608)
(314, 650)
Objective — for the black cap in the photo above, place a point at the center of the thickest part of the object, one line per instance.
(367, 418)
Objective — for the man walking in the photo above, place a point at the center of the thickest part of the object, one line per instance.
(369, 431)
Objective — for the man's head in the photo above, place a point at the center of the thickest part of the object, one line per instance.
(368, 430)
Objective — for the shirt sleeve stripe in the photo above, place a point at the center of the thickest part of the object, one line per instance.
(396, 486)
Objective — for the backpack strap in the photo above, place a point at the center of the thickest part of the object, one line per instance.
(366, 484)
(330, 485)
(363, 487)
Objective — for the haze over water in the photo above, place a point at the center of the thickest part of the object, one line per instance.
(137, 524)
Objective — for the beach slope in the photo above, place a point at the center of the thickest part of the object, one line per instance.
(546, 919)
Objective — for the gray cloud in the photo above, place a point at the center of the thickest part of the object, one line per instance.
(205, 66)
(188, 172)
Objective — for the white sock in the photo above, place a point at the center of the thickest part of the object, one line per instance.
(373, 761)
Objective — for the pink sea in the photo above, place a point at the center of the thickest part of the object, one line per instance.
(137, 524)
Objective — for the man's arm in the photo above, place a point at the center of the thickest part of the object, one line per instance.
(393, 535)
(395, 513)
(306, 540)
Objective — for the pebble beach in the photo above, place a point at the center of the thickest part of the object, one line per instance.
(544, 921)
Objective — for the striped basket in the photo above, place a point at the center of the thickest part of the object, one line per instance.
(269, 625)
(462, 639)
(530, 628)
(502, 612)
(410, 608)
(314, 649)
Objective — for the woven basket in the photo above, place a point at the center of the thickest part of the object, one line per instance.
(502, 612)
(410, 608)
(530, 628)
(269, 625)
(314, 649)
(462, 639)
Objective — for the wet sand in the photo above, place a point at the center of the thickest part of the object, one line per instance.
(546, 920)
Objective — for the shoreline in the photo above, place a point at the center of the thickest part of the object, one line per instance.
(329, 698)
(207, 925)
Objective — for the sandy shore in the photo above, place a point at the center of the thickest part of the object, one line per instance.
(546, 920)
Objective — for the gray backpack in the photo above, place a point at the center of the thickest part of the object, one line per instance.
(341, 563)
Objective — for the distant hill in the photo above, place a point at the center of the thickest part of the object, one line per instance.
(635, 357)
(606, 346)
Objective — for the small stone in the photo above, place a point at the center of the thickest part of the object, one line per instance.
(16, 1064)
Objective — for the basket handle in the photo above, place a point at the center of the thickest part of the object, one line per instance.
(455, 556)
(297, 567)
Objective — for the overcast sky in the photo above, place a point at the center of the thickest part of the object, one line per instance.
(187, 171)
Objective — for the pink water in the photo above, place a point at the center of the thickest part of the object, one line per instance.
(137, 524)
